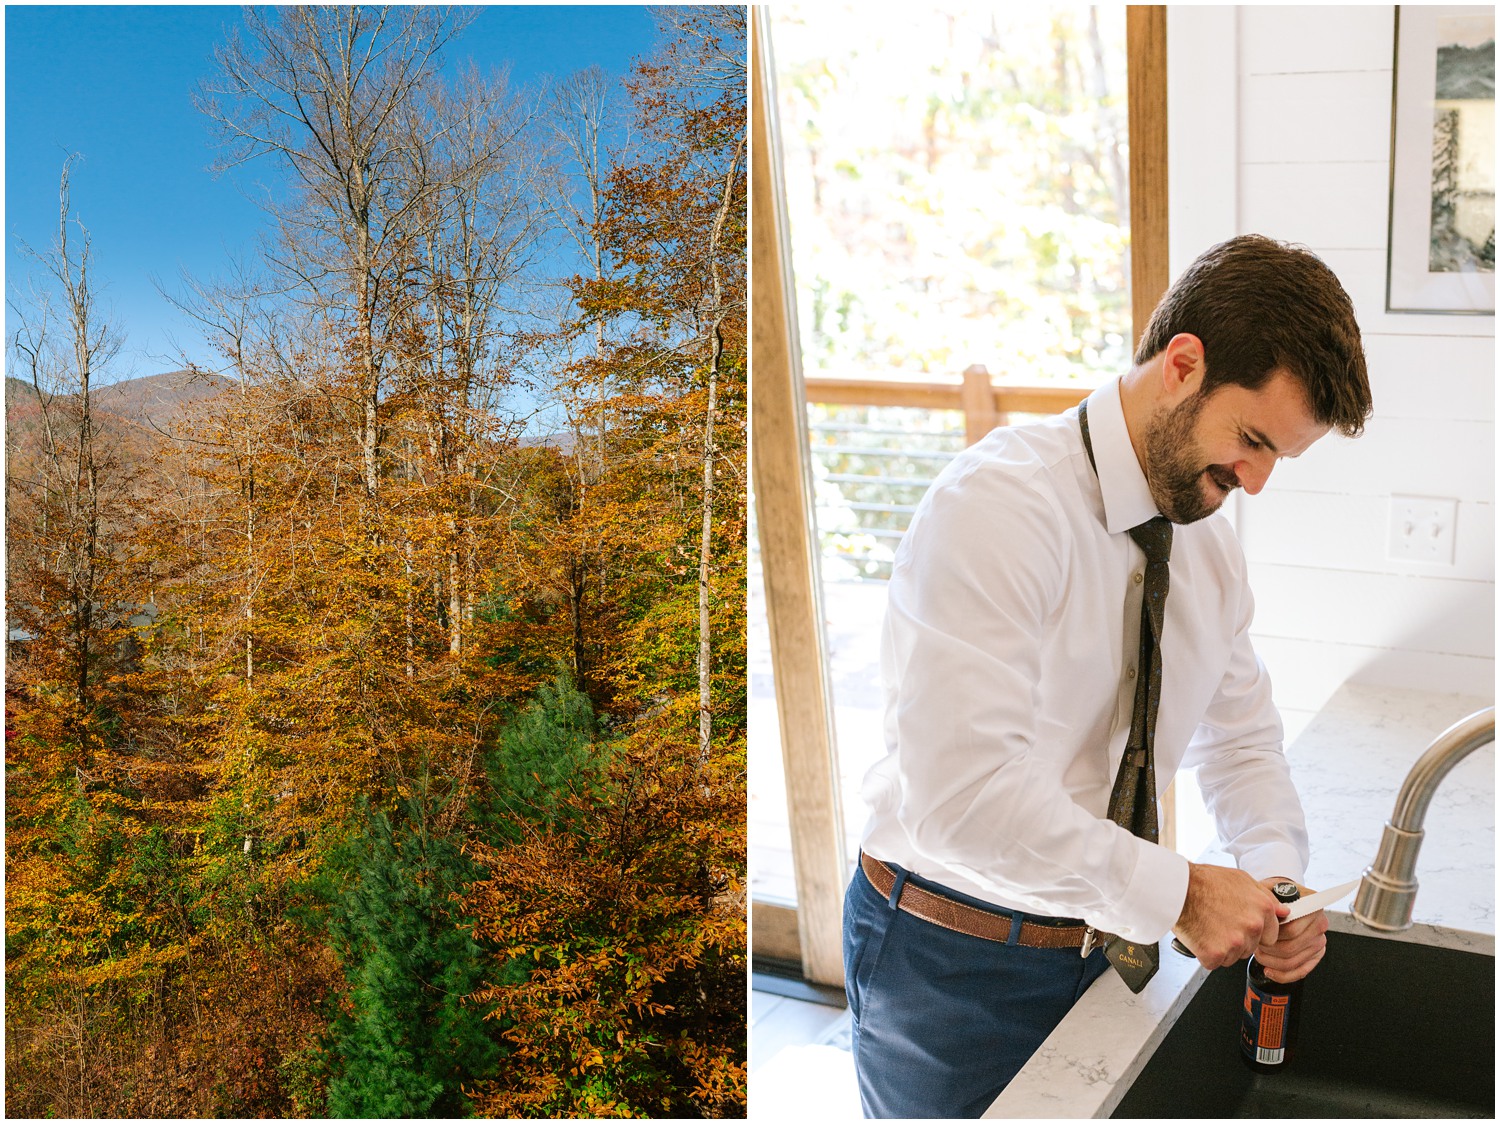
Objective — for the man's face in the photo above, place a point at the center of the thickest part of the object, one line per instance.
(1199, 451)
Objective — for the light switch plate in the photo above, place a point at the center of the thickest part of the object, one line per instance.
(1422, 529)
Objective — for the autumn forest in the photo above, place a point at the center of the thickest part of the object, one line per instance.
(372, 751)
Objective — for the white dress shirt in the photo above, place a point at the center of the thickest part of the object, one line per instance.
(1009, 659)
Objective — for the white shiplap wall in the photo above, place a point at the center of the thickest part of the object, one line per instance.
(1280, 124)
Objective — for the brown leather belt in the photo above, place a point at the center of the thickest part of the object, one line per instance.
(961, 918)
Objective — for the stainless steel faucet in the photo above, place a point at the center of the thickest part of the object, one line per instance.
(1389, 886)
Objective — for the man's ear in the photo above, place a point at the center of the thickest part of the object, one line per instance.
(1182, 367)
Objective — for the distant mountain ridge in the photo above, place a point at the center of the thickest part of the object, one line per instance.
(155, 399)
(151, 400)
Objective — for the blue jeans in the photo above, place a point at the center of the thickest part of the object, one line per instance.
(942, 1020)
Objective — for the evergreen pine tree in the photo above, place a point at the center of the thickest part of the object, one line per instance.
(406, 1042)
(542, 754)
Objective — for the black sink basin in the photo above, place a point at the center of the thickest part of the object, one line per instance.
(1389, 1029)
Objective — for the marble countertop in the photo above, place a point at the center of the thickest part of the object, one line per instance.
(1348, 766)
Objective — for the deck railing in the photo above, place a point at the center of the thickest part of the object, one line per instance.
(878, 442)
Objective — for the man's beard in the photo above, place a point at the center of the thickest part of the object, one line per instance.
(1174, 464)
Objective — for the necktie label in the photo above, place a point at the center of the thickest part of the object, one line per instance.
(1135, 962)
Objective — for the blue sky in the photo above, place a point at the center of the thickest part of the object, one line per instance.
(115, 84)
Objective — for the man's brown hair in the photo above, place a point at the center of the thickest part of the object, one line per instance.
(1259, 306)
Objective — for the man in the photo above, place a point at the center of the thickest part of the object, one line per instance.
(1032, 709)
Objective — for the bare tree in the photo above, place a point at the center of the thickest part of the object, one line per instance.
(63, 343)
(583, 110)
(473, 165)
(323, 90)
(231, 313)
(581, 114)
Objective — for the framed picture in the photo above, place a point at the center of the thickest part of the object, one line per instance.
(1442, 219)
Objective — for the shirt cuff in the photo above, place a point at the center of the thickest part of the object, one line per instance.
(1154, 898)
(1274, 860)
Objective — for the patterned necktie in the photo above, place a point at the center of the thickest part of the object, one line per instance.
(1132, 803)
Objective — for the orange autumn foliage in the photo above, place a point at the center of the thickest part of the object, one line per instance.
(355, 595)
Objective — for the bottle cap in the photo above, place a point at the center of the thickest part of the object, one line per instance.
(1286, 892)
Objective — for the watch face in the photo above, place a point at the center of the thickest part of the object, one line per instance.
(1286, 891)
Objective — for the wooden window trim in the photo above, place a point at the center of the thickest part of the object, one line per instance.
(782, 476)
(782, 467)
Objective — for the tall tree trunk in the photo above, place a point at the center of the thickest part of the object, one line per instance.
(249, 566)
(409, 616)
(705, 547)
(705, 550)
(83, 579)
(578, 580)
(455, 591)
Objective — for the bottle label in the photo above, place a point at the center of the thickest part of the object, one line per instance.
(1263, 1029)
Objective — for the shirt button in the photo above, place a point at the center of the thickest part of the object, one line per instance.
(1130, 674)
(1138, 579)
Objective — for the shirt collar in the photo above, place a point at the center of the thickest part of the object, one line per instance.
(1122, 483)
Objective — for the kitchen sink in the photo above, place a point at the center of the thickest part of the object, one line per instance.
(1389, 1029)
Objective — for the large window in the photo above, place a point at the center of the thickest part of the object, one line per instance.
(957, 189)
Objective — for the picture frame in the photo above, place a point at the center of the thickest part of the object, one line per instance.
(1441, 235)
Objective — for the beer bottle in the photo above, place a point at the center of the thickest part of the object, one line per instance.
(1268, 1021)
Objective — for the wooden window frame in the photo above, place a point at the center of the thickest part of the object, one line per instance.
(811, 933)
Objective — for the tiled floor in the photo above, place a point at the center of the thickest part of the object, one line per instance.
(777, 1022)
(800, 1066)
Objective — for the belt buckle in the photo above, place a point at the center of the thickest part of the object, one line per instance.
(1088, 942)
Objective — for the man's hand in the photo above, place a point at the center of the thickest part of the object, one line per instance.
(1228, 916)
(1298, 946)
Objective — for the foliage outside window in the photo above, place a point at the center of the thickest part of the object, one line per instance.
(957, 186)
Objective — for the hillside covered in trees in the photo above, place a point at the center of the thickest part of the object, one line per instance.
(367, 755)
